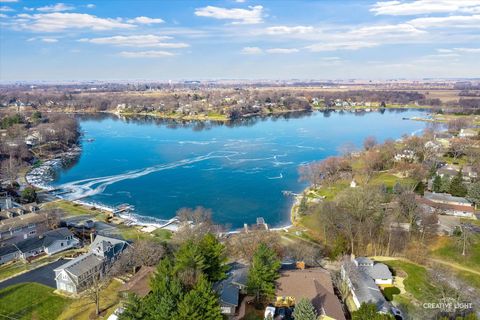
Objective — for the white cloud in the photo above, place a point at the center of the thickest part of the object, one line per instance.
(3, 15)
(10, 1)
(398, 8)
(6, 9)
(252, 15)
(90, 6)
(252, 50)
(472, 21)
(54, 22)
(140, 41)
(239, 1)
(389, 29)
(59, 7)
(146, 54)
(460, 50)
(282, 50)
(49, 40)
(333, 46)
(282, 30)
(145, 20)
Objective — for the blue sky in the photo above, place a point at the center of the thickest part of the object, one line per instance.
(238, 39)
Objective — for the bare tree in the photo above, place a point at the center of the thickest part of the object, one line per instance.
(369, 143)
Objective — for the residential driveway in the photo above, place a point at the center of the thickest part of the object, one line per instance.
(43, 275)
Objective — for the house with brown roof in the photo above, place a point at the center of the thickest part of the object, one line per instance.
(313, 284)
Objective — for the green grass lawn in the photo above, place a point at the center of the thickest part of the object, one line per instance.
(389, 180)
(133, 233)
(452, 251)
(73, 209)
(416, 281)
(330, 192)
(31, 301)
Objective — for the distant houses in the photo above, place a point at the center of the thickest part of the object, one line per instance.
(447, 204)
(78, 274)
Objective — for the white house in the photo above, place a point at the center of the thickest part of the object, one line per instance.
(77, 274)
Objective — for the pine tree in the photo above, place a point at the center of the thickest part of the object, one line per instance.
(445, 186)
(304, 310)
(437, 183)
(200, 303)
(263, 272)
(474, 193)
(167, 291)
(133, 309)
(457, 188)
(215, 258)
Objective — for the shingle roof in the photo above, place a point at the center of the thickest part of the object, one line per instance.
(314, 284)
(378, 271)
(9, 248)
(228, 292)
(432, 196)
(107, 246)
(30, 244)
(365, 288)
(81, 264)
(20, 221)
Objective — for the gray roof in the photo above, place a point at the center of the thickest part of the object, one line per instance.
(7, 249)
(30, 244)
(238, 273)
(228, 292)
(378, 271)
(107, 246)
(365, 288)
(363, 260)
(44, 240)
(81, 264)
(432, 196)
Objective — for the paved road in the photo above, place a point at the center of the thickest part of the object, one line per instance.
(43, 275)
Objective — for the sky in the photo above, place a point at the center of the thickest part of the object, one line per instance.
(238, 39)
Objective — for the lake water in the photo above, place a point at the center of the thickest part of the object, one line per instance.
(239, 171)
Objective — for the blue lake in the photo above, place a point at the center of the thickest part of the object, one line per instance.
(238, 170)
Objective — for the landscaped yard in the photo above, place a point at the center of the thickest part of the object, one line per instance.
(73, 209)
(416, 280)
(31, 301)
(82, 308)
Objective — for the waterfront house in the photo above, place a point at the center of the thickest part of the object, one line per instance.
(313, 284)
(76, 275)
(229, 289)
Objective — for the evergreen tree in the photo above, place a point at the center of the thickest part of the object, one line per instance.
(474, 193)
(263, 272)
(189, 263)
(302, 208)
(167, 292)
(457, 188)
(304, 310)
(437, 184)
(200, 303)
(215, 259)
(445, 186)
(368, 311)
(133, 309)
